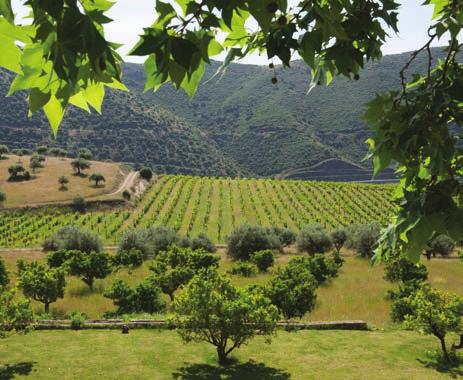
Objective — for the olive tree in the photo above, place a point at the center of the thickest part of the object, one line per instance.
(3, 150)
(63, 182)
(146, 173)
(71, 238)
(41, 283)
(245, 240)
(313, 239)
(97, 178)
(211, 309)
(84, 154)
(79, 165)
(15, 171)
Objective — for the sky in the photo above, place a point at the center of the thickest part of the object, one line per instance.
(130, 16)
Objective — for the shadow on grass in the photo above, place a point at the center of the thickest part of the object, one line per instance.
(9, 371)
(237, 371)
(453, 369)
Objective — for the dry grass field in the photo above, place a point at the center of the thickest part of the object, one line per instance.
(43, 188)
(357, 293)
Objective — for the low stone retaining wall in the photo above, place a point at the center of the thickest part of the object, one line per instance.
(162, 324)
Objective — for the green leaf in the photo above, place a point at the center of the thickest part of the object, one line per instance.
(6, 10)
(37, 99)
(94, 95)
(182, 51)
(54, 112)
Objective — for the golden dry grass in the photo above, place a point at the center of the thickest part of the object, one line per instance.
(357, 293)
(44, 187)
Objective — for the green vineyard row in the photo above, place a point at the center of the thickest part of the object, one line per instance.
(214, 206)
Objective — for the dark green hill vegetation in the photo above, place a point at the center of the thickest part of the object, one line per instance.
(129, 130)
(239, 123)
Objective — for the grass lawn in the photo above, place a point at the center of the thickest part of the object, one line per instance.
(26, 193)
(357, 293)
(150, 354)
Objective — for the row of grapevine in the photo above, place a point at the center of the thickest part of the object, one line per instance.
(214, 206)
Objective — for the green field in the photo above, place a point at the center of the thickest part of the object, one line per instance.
(161, 355)
(214, 206)
(357, 293)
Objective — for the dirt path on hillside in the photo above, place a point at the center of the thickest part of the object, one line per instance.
(126, 184)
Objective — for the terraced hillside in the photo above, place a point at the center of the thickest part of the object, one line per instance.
(215, 206)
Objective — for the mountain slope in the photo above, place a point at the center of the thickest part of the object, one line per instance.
(269, 128)
(129, 130)
(237, 124)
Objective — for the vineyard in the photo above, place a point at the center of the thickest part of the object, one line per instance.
(214, 206)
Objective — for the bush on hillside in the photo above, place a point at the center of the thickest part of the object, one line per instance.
(73, 238)
(263, 259)
(365, 239)
(285, 235)
(243, 269)
(245, 240)
(339, 238)
(203, 242)
(146, 173)
(314, 239)
(440, 245)
(78, 204)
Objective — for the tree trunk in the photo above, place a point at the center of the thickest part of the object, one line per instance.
(89, 281)
(444, 349)
(47, 307)
(222, 355)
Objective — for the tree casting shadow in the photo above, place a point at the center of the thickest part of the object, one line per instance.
(453, 370)
(9, 371)
(239, 371)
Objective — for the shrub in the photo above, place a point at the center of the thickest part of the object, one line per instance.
(132, 258)
(3, 150)
(42, 150)
(401, 269)
(73, 238)
(210, 308)
(244, 269)
(284, 235)
(16, 314)
(84, 153)
(245, 240)
(144, 298)
(339, 237)
(77, 320)
(16, 172)
(63, 181)
(440, 245)
(146, 173)
(322, 268)
(79, 204)
(126, 195)
(292, 290)
(313, 239)
(365, 239)
(263, 259)
(203, 242)
(4, 276)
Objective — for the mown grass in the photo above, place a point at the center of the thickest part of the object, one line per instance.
(357, 293)
(150, 354)
(44, 187)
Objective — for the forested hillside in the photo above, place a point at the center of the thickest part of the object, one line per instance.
(239, 123)
(129, 130)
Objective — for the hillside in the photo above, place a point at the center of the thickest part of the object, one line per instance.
(214, 206)
(129, 130)
(43, 187)
(237, 124)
